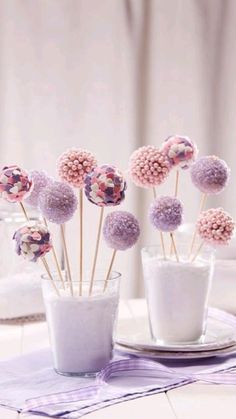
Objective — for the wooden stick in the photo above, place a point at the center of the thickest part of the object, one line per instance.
(197, 252)
(56, 260)
(109, 270)
(24, 211)
(176, 183)
(174, 246)
(202, 204)
(81, 241)
(50, 275)
(96, 250)
(161, 234)
(66, 258)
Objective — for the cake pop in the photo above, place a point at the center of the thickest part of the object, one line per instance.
(181, 151)
(32, 241)
(166, 213)
(121, 230)
(14, 183)
(105, 186)
(74, 165)
(148, 166)
(215, 226)
(210, 174)
(40, 180)
(57, 202)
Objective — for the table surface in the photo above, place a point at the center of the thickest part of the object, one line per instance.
(194, 401)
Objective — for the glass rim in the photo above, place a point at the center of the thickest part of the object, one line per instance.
(205, 247)
(114, 276)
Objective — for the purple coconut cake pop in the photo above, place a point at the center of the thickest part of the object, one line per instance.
(166, 213)
(121, 230)
(40, 180)
(57, 202)
(210, 174)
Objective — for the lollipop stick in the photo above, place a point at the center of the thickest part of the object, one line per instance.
(81, 241)
(202, 204)
(174, 246)
(24, 211)
(161, 234)
(197, 252)
(50, 275)
(109, 270)
(176, 183)
(56, 259)
(96, 250)
(66, 258)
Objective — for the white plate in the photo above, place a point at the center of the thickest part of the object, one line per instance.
(174, 355)
(134, 333)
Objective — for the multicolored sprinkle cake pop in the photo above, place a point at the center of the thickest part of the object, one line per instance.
(57, 202)
(166, 213)
(215, 226)
(32, 241)
(40, 180)
(105, 186)
(74, 165)
(121, 230)
(14, 183)
(181, 151)
(210, 174)
(148, 166)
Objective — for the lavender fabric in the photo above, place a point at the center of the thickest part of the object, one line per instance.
(29, 383)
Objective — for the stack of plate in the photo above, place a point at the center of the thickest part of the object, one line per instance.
(134, 338)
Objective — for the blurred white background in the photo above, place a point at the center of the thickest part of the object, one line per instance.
(110, 76)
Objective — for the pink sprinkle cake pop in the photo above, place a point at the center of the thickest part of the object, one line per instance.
(210, 174)
(32, 241)
(215, 226)
(148, 166)
(121, 230)
(74, 165)
(14, 183)
(181, 151)
(105, 186)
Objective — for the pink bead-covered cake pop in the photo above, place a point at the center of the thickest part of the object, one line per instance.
(180, 150)
(105, 186)
(14, 183)
(33, 241)
(215, 226)
(148, 166)
(74, 165)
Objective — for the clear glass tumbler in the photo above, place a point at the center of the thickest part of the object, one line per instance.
(177, 294)
(81, 326)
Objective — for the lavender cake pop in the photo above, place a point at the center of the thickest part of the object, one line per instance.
(40, 180)
(105, 186)
(57, 202)
(121, 230)
(32, 241)
(166, 213)
(180, 150)
(210, 174)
